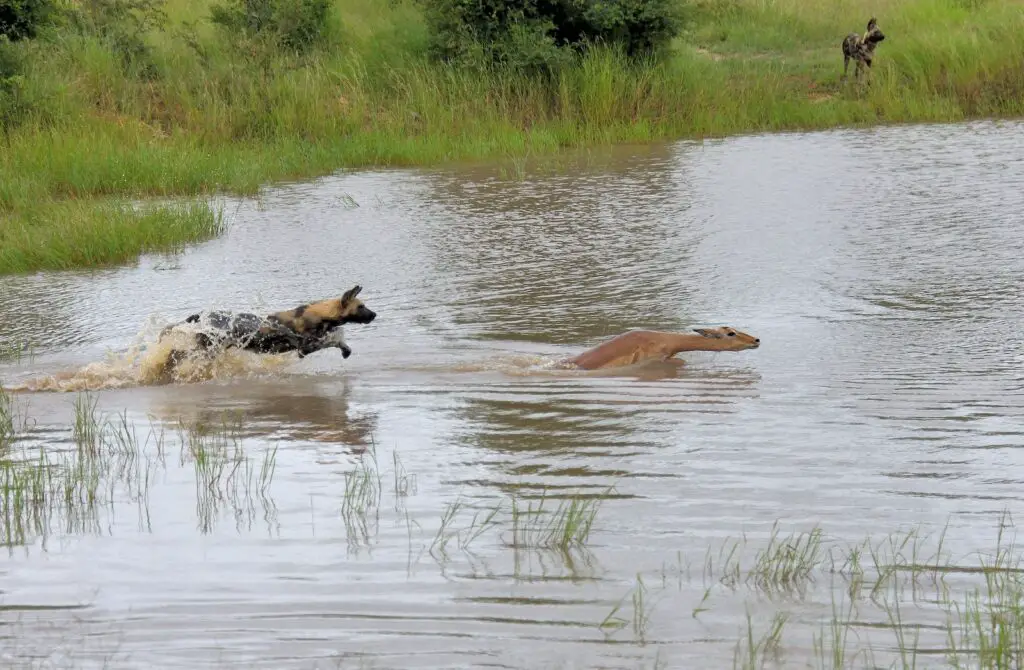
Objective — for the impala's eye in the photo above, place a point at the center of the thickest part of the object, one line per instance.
(732, 334)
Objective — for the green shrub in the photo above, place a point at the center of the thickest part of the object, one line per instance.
(541, 33)
(123, 25)
(12, 81)
(640, 27)
(21, 19)
(295, 25)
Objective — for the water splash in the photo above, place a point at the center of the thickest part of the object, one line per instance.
(514, 364)
(532, 365)
(158, 358)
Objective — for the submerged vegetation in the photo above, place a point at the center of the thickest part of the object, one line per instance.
(56, 482)
(103, 101)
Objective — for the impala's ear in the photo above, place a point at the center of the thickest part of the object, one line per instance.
(351, 293)
(706, 332)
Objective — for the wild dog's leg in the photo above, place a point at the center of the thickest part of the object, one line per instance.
(329, 340)
(848, 46)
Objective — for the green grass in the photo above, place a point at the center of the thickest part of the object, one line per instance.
(60, 235)
(225, 475)
(48, 489)
(640, 619)
(567, 526)
(899, 596)
(96, 132)
(754, 652)
(8, 421)
(360, 505)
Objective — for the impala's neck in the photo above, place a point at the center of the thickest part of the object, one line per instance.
(686, 342)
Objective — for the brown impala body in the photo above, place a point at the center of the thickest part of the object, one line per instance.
(638, 346)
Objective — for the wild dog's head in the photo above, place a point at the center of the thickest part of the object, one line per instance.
(874, 33)
(351, 309)
(326, 314)
(732, 339)
(325, 320)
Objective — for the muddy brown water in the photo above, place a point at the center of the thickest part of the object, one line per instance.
(882, 269)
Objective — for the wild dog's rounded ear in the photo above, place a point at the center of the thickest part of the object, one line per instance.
(872, 23)
(351, 293)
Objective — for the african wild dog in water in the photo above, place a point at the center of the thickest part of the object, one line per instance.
(305, 329)
(861, 48)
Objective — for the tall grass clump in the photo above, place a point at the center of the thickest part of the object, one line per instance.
(8, 429)
(567, 526)
(45, 490)
(360, 506)
(641, 614)
(755, 652)
(528, 525)
(70, 234)
(226, 475)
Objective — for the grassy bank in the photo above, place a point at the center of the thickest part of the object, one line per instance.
(196, 113)
(62, 235)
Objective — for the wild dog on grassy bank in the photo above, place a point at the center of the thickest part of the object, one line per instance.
(861, 48)
(638, 346)
(305, 329)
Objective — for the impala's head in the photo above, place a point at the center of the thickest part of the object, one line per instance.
(730, 338)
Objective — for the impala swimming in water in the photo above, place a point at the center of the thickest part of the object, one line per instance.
(637, 346)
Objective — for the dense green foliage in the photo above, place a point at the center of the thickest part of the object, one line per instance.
(22, 19)
(296, 25)
(541, 34)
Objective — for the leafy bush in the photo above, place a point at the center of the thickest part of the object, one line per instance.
(123, 25)
(12, 81)
(640, 27)
(542, 33)
(21, 19)
(296, 25)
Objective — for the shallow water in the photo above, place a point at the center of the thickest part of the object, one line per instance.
(882, 269)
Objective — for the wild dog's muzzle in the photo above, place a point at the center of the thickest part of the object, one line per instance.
(363, 315)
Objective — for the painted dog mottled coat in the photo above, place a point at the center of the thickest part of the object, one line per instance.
(305, 329)
(861, 48)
